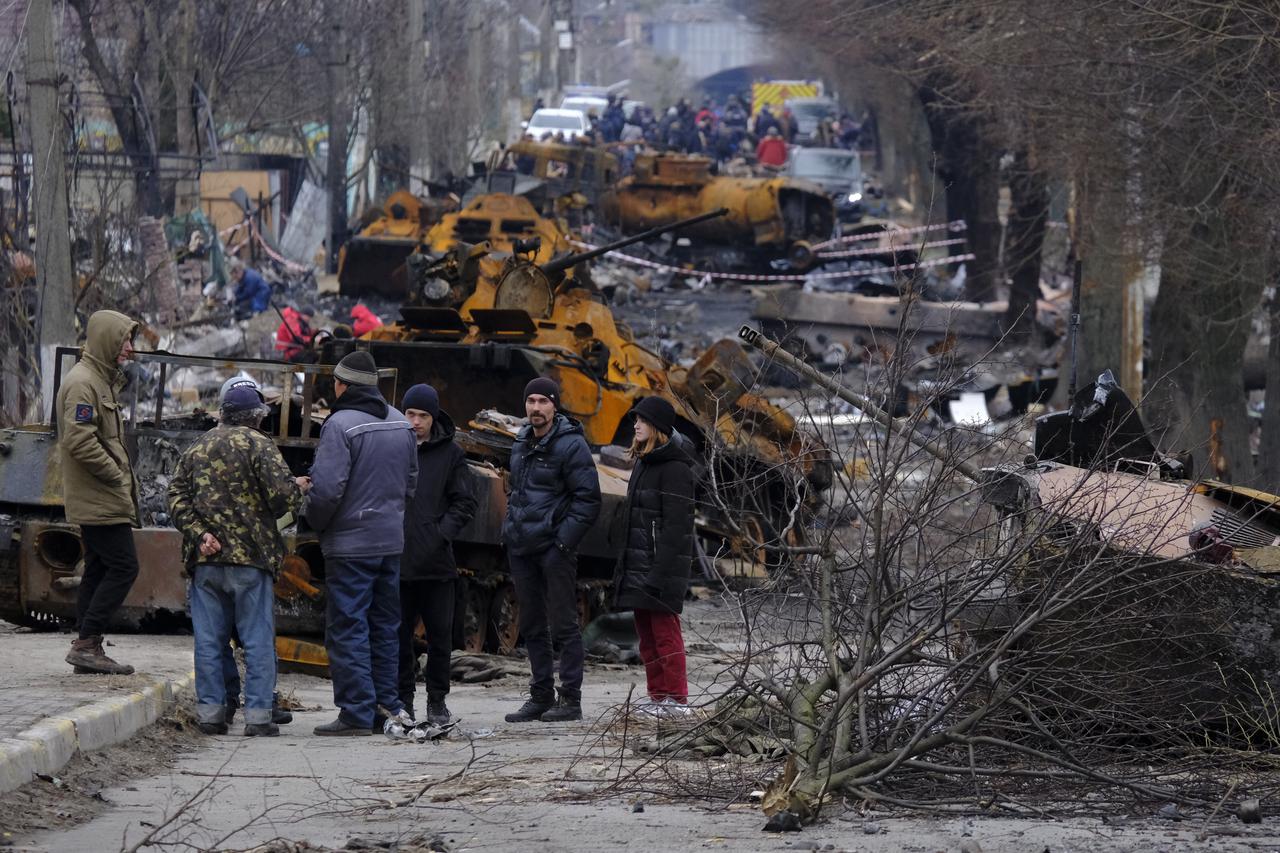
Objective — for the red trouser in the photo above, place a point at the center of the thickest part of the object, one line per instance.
(662, 651)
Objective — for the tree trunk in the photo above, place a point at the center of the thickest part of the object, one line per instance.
(1269, 452)
(336, 171)
(969, 166)
(1200, 323)
(1028, 214)
(1101, 236)
(183, 73)
(119, 99)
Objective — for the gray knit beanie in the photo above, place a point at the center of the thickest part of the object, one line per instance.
(357, 368)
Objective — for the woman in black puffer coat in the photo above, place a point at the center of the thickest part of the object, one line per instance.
(653, 572)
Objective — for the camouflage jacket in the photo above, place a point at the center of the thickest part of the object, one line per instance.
(233, 483)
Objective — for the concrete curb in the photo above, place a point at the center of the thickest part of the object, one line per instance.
(48, 745)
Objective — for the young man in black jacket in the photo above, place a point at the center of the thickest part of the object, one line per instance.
(433, 517)
(554, 500)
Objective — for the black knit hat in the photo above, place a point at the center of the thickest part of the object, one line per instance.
(658, 412)
(544, 386)
(423, 398)
(357, 368)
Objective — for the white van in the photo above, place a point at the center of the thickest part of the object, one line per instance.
(587, 104)
(572, 123)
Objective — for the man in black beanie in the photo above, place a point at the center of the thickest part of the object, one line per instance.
(434, 516)
(366, 467)
(554, 500)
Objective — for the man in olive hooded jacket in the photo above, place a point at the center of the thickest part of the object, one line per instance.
(99, 489)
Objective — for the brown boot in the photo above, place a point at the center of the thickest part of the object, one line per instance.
(87, 656)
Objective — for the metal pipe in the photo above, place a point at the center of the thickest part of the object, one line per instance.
(566, 262)
(774, 351)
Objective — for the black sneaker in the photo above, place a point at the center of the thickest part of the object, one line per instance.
(565, 711)
(340, 728)
(261, 730)
(212, 728)
(279, 716)
(529, 711)
(438, 713)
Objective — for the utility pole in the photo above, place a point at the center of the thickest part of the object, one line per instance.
(55, 285)
(546, 51)
(339, 115)
(565, 49)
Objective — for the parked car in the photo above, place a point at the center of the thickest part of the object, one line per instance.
(837, 171)
(572, 123)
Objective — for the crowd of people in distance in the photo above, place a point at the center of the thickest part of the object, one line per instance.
(725, 133)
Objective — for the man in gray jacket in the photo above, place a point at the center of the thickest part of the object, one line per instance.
(365, 468)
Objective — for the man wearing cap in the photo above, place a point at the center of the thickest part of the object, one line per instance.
(365, 468)
(100, 492)
(433, 517)
(231, 672)
(227, 492)
(554, 500)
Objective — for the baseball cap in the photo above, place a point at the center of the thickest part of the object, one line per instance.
(242, 398)
(240, 380)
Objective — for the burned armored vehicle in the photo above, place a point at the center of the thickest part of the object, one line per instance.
(769, 219)
(388, 235)
(1118, 599)
(1170, 585)
(41, 565)
(484, 318)
(42, 558)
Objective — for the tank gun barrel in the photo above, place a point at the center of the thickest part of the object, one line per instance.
(561, 264)
(754, 338)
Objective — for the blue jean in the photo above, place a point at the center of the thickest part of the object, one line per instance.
(231, 673)
(220, 597)
(361, 635)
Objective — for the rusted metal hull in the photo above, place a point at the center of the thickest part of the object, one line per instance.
(763, 213)
(373, 261)
(862, 324)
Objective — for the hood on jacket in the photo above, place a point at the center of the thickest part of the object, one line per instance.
(362, 398)
(363, 312)
(678, 449)
(442, 431)
(106, 333)
(562, 424)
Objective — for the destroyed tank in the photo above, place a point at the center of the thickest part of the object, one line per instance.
(768, 218)
(485, 318)
(373, 260)
(42, 559)
(42, 556)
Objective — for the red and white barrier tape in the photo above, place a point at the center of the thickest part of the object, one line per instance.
(274, 255)
(707, 275)
(880, 250)
(956, 226)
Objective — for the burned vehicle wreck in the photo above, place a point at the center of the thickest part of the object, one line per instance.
(1094, 591)
(1175, 581)
(40, 565)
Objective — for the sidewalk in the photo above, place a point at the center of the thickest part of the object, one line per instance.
(47, 712)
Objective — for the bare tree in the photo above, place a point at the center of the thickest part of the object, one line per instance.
(1156, 114)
